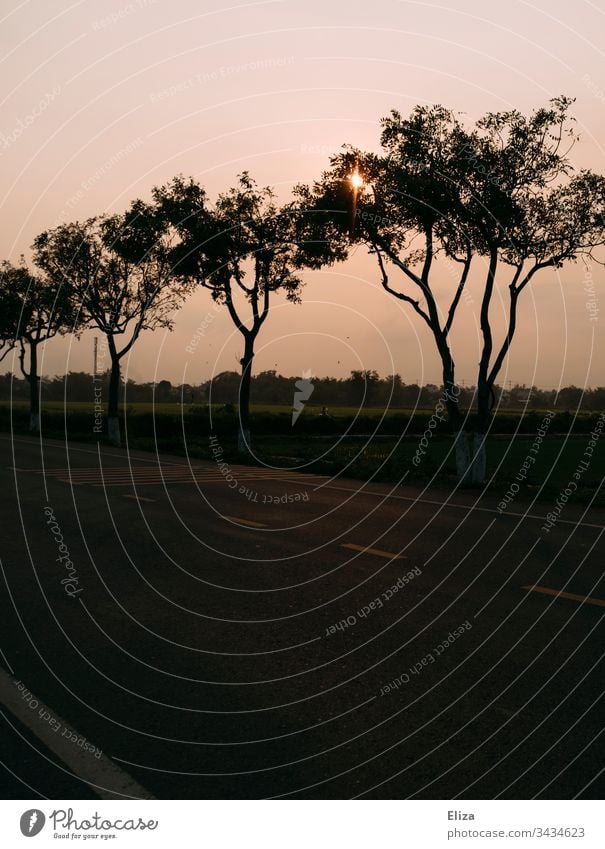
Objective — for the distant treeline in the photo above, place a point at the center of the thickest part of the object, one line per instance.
(361, 388)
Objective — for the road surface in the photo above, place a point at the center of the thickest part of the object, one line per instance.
(189, 630)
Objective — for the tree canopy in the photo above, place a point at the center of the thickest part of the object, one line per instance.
(502, 195)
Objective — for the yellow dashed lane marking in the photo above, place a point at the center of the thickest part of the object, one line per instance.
(598, 602)
(377, 552)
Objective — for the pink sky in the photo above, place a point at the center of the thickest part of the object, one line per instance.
(105, 100)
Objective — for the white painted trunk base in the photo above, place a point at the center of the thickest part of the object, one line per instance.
(113, 430)
(243, 442)
(479, 459)
(470, 457)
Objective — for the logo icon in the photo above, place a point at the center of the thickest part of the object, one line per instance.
(304, 390)
(32, 822)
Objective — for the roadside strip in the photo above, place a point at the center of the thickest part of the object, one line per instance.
(377, 552)
(318, 487)
(584, 599)
(100, 774)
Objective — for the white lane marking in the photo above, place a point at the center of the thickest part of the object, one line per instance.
(113, 482)
(100, 773)
(122, 471)
(377, 552)
(239, 521)
(113, 476)
(139, 498)
(362, 491)
(450, 504)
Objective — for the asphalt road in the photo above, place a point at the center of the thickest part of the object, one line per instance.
(182, 631)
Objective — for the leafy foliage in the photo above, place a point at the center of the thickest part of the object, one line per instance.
(504, 190)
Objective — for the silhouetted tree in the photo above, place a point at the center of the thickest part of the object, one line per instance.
(271, 388)
(118, 270)
(569, 397)
(502, 193)
(244, 249)
(10, 309)
(163, 391)
(43, 309)
(365, 386)
(404, 209)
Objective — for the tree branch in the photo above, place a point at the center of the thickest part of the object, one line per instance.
(428, 257)
(380, 243)
(25, 373)
(265, 310)
(515, 290)
(400, 295)
(486, 329)
(538, 266)
(7, 344)
(232, 311)
(458, 295)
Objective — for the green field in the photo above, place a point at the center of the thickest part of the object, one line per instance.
(310, 410)
(390, 459)
(346, 445)
(173, 408)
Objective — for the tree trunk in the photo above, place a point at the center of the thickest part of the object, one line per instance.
(484, 387)
(113, 420)
(483, 406)
(463, 455)
(243, 437)
(478, 464)
(34, 389)
(484, 414)
(462, 447)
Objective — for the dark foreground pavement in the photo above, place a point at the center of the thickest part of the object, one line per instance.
(205, 635)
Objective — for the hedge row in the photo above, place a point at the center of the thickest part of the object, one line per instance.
(201, 422)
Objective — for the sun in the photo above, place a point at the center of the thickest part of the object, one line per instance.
(356, 179)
